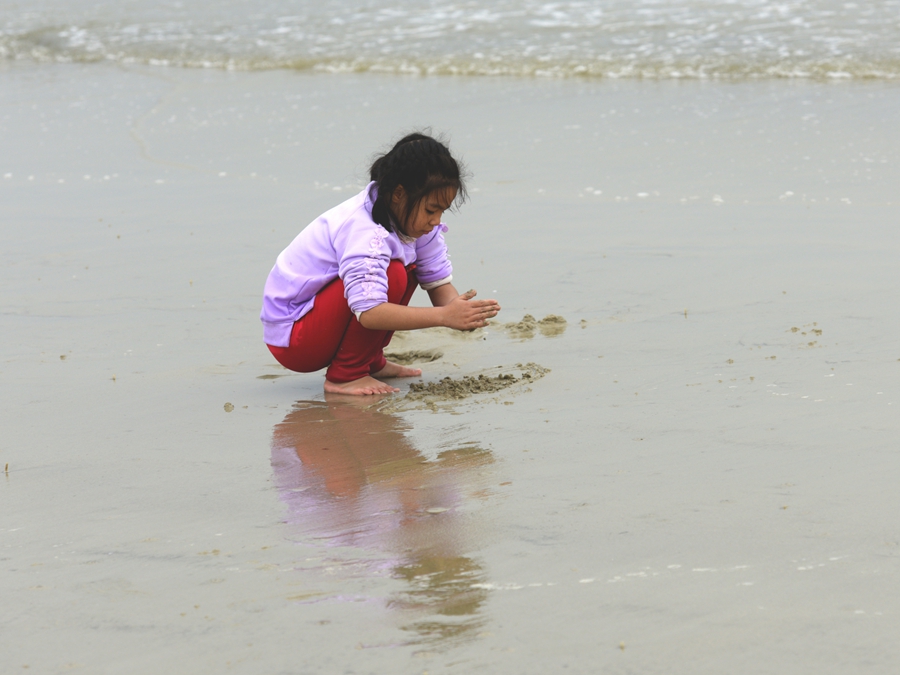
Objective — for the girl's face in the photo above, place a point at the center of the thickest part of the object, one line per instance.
(427, 215)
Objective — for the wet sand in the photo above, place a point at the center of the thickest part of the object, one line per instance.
(703, 482)
(528, 326)
(407, 358)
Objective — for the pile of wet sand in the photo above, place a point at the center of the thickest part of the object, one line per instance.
(414, 356)
(550, 325)
(451, 389)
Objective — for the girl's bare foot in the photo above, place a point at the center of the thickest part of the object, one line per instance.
(392, 369)
(364, 386)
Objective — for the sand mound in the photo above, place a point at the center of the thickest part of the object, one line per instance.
(414, 356)
(492, 381)
(552, 324)
(549, 326)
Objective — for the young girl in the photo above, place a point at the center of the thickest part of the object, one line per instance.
(341, 288)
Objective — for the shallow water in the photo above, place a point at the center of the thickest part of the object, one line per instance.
(694, 487)
(730, 39)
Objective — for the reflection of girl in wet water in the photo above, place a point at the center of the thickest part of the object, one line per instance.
(351, 473)
(350, 477)
(340, 289)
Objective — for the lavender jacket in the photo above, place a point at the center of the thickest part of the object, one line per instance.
(345, 242)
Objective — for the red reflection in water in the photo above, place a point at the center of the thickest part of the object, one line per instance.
(350, 477)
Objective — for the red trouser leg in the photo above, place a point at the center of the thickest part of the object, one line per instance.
(331, 334)
(403, 298)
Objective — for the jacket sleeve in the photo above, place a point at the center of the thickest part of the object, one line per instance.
(432, 258)
(363, 259)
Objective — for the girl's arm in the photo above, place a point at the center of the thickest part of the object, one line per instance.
(451, 310)
(443, 295)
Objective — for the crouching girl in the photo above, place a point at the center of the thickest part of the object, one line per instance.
(338, 292)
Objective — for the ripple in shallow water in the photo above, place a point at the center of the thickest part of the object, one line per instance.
(742, 39)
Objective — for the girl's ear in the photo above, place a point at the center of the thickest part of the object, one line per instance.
(398, 196)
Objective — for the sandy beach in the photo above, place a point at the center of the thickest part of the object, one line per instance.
(702, 481)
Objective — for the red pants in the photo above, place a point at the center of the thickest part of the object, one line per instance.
(330, 334)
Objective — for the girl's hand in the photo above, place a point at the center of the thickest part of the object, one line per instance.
(463, 313)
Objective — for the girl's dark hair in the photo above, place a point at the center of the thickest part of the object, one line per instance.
(421, 164)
